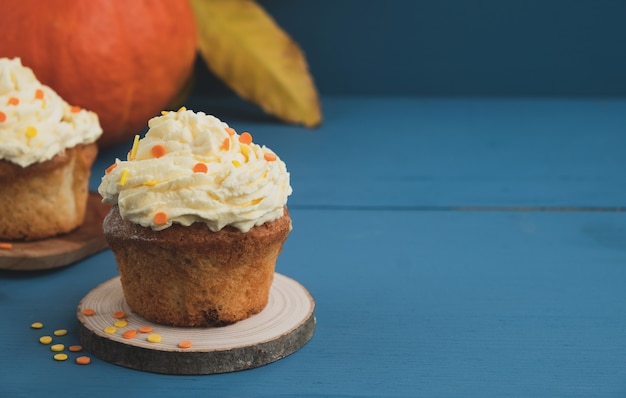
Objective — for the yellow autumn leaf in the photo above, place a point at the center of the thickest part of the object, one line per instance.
(244, 47)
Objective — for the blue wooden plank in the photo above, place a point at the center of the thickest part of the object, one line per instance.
(408, 303)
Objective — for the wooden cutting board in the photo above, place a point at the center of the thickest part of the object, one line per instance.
(285, 325)
(61, 250)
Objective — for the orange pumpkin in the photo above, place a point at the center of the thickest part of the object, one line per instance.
(124, 60)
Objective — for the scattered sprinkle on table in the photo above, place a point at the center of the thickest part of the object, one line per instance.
(75, 348)
(37, 325)
(60, 357)
(145, 329)
(83, 360)
(60, 332)
(154, 338)
(6, 245)
(57, 347)
(129, 334)
(45, 339)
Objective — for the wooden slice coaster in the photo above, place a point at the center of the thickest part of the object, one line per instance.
(60, 250)
(283, 327)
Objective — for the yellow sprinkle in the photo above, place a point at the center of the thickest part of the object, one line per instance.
(57, 347)
(31, 131)
(45, 339)
(133, 150)
(37, 325)
(265, 174)
(182, 109)
(150, 183)
(123, 177)
(110, 330)
(236, 163)
(154, 338)
(121, 324)
(256, 201)
(60, 332)
(164, 113)
(60, 357)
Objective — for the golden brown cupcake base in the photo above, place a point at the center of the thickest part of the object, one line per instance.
(191, 276)
(45, 199)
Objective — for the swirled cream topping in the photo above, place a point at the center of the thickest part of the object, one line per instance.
(191, 167)
(35, 122)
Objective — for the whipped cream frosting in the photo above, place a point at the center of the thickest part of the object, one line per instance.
(192, 167)
(35, 122)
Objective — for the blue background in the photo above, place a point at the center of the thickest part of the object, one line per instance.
(456, 47)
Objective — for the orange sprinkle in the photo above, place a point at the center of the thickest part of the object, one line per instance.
(129, 334)
(110, 168)
(158, 151)
(83, 360)
(270, 157)
(75, 348)
(160, 218)
(13, 101)
(6, 245)
(230, 131)
(184, 344)
(89, 312)
(39, 93)
(119, 315)
(200, 168)
(225, 144)
(3, 117)
(145, 329)
(75, 109)
(245, 138)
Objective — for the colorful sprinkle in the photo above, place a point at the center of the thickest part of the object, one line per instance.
(83, 360)
(123, 177)
(45, 339)
(110, 168)
(270, 157)
(121, 323)
(75, 109)
(57, 347)
(245, 138)
(31, 131)
(184, 344)
(39, 94)
(60, 332)
(150, 183)
(225, 144)
(3, 117)
(6, 245)
(245, 151)
(230, 131)
(89, 311)
(119, 315)
(236, 163)
(182, 109)
(163, 113)
(160, 218)
(200, 168)
(129, 334)
(158, 151)
(75, 348)
(133, 150)
(60, 357)
(154, 338)
(110, 330)
(37, 325)
(145, 329)
(13, 101)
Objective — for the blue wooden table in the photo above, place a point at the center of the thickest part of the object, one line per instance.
(453, 247)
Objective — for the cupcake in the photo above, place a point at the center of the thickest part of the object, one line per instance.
(47, 148)
(199, 217)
